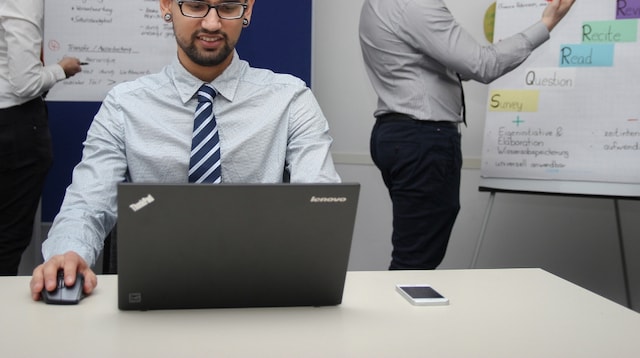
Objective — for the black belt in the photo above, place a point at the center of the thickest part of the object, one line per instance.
(397, 117)
(30, 103)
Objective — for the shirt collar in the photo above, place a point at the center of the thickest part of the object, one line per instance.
(226, 84)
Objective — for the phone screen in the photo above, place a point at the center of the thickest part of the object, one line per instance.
(421, 292)
(422, 295)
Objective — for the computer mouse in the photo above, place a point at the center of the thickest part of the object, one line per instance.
(62, 294)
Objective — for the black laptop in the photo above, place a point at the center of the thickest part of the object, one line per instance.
(184, 246)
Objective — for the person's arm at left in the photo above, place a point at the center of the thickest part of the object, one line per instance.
(308, 148)
(29, 77)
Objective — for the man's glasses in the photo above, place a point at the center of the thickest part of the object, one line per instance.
(200, 9)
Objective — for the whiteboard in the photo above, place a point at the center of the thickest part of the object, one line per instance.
(120, 41)
(568, 119)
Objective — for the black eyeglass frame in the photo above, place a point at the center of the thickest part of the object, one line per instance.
(244, 8)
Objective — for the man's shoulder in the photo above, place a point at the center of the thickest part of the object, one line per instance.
(268, 77)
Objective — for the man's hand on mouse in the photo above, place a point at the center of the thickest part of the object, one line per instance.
(45, 275)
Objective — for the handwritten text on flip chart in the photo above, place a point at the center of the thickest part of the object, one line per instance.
(587, 55)
(610, 31)
(628, 9)
(513, 101)
(585, 124)
(119, 40)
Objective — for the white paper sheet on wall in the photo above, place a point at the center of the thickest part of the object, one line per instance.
(119, 39)
(572, 110)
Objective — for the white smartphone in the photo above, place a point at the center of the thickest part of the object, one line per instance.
(422, 295)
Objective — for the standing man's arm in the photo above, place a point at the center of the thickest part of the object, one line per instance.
(432, 28)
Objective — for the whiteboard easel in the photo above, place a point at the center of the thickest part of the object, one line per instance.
(621, 245)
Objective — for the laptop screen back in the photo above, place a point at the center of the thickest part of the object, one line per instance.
(233, 245)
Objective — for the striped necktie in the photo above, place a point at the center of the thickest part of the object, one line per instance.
(204, 165)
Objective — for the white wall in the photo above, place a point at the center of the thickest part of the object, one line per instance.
(573, 237)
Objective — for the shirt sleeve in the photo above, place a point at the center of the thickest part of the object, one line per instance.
(89, 210)
(308, 150)
(23, 33)
(432, 29)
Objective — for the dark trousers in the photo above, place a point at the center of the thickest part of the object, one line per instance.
(420, 163)
(25, 157)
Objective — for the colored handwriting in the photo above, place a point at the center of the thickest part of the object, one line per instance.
(587, 55)
(550, 78)
(514, 101)
(628, 9)
(610, 31)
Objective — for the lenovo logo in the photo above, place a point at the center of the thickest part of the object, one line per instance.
(328, 199)
(142, 203)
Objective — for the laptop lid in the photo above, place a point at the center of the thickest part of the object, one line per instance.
(233, 245)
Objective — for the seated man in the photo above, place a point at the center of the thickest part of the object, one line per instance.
(261, 125)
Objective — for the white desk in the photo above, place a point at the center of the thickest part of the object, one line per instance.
(513, 313)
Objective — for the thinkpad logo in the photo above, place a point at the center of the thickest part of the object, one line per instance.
(328, 199)
(142, 203)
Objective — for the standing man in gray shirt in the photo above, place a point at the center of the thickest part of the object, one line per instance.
(267, 124)
(416, 55)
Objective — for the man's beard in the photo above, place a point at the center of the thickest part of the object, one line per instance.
(206, 58)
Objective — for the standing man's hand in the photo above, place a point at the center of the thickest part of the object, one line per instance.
(70, 65)
(555, 11)
(45, 275)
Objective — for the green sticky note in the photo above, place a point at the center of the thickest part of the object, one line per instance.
(610, 31)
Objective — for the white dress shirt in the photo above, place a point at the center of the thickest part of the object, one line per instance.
(142, 133)
(22, 76)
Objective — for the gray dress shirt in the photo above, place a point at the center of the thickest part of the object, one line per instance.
(413, 49)
(143, 132)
